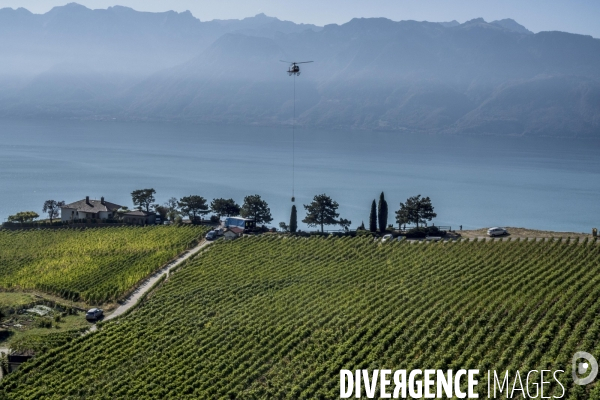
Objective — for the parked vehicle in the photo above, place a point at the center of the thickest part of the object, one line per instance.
(433, 238)
(158, 220)
(212, 235)
(497, 232)
(388, 237)
(94, 314)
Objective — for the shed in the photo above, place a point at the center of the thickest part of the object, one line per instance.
(233, 233)
(139, 217)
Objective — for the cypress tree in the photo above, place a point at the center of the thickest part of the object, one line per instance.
(382, 213)
(293, 220)
(373, 217)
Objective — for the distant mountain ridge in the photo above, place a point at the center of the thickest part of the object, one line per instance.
(116, 39)
(370, 73)
(512, 25)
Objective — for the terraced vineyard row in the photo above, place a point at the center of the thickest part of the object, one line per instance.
(93, 265)
(273, 317)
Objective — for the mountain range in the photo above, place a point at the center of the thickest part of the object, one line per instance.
(477, 77)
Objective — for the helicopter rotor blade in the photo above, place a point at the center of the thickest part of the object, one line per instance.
(304, 62)
(289, 62)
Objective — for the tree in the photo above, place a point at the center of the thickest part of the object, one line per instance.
(161, 210)
(402, 217)
(225, 207)
(373, 217)
(172, 208)
(193, 205)
(122, 210)
(52, 207)
(256, 208)
(283, 226)
(23, 216)
(294, 220)
(345, 224)
(143, 198)
(382, 213)
(416, 209)
(322, 211)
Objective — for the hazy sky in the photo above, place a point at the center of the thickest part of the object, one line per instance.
(577, 16)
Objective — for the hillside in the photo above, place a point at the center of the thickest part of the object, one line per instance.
(93, 265)
(272, 317)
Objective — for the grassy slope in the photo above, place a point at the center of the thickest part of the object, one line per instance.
(94, 265)
(278, 318)
(8, 299)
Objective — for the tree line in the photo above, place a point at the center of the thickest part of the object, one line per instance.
(195, 206)
(320, 212)
(416, 210)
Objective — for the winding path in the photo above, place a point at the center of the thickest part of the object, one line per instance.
(133, 299)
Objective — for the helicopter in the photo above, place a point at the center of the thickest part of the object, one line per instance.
(294, 67)
(294, 70)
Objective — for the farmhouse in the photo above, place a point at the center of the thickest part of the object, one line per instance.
(88, 209)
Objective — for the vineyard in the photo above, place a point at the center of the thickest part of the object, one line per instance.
(92, 265)
(273, 317)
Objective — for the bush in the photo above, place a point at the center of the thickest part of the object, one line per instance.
(3, 364)
(214, 219)
(422, 232)
(44, 323)
(364, 232)
(416, 233)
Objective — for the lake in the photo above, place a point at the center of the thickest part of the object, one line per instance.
(473, 181)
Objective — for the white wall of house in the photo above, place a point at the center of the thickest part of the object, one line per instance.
(65, 214)
(104, 214)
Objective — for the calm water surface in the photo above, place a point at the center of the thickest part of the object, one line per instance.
(476, 182)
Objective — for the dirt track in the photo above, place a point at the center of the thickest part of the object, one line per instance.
(524, 233)
(132, 300)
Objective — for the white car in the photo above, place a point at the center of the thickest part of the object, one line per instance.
(387, 237)
(94, 313)
(497, 232)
